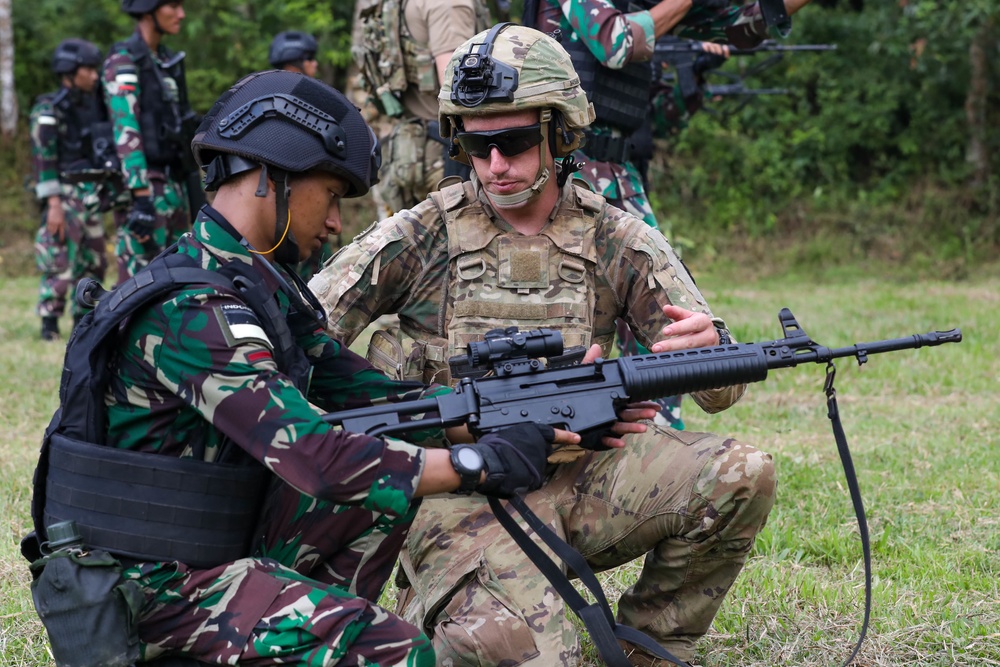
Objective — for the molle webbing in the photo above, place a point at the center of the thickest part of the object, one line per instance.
(153, 507)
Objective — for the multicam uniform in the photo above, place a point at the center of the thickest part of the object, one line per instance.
(197, 371)
(691, 502)
(413, 154)
(83, 253)
(147, 159)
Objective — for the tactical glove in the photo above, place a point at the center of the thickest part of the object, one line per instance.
(142, 217)
(514, 459)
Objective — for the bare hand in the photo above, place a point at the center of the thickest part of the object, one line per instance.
(55, 222)
(689, 330)
(717, 49)
(629, 416)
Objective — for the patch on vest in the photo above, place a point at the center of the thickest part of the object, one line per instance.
(240, 325)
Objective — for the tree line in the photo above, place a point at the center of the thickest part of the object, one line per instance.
(908, 101)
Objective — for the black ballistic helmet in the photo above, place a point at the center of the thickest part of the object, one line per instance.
(291, 47)
(136, 8)
(73, 53)
(290, 123)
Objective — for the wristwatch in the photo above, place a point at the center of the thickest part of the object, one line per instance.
(468, 463)
(724, 337)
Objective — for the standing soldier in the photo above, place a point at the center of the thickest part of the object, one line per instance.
(611, 45)
(153, 124)
(294, 51)
(403, 50)
(75, 168)
(521, 245)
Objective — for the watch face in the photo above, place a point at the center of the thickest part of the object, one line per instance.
(470, 459)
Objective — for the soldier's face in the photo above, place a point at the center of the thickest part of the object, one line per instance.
(314, 204)
(170, 16)
(309, 67)
(85, 79)
(503, 174)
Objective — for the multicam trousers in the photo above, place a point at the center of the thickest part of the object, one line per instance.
(412, 165)
(63, 263)
(304, 597)
(689, 503)
(172, 220)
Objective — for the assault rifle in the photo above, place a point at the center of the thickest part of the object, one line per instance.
(585, 398)
(690, 61)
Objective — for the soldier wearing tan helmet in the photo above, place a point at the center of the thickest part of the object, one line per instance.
(521, 244)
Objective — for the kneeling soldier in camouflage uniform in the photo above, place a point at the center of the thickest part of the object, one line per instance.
(239, 372)
(522, 245)
(74, 178)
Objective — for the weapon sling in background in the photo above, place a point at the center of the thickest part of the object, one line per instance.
(587, 398)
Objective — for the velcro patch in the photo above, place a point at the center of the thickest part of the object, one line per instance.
(239, 325)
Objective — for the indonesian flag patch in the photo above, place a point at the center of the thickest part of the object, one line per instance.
(240, 325)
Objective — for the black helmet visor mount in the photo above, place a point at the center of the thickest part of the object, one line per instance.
(478, 78)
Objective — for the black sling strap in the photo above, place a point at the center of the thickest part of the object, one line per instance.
(598, 617)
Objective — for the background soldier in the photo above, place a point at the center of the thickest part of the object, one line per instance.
(147, 97)
(294, 51)
(75, 169)
(519, 245)
(612, 57)
(403, 48)
(228, 376)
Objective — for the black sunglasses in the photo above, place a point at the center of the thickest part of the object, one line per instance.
(510, 142)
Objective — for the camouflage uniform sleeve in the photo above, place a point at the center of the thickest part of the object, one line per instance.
(121, 92)
(647, 275)
(209, 350)
(45, 149)
(615, 38)
(743, 27)
(343, 380)
(376, 273)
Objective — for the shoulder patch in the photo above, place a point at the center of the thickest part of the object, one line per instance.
(239, 324)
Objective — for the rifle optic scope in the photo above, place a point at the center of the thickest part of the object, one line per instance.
(510, 343)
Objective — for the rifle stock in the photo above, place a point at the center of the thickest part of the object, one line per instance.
(588, 397)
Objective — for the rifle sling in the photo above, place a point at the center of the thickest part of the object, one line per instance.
(598, 617)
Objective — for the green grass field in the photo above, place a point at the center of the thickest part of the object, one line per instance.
(922, 426)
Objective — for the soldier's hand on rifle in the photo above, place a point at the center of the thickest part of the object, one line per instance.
(141, 219)
(55, 219)
(628, 417)
(688, 330)
(514, 459)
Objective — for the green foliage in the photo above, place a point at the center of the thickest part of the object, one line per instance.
(868, 123)
(223, 39)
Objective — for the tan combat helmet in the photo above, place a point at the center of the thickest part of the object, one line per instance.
(509, 68)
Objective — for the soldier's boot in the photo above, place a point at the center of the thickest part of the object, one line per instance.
(639, 658)
(50, 327)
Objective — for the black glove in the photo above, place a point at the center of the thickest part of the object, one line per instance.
(706, 61)
(514, 459)
(142, 217)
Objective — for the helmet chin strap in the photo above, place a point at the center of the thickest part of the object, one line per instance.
(541, 176)
(286, 248)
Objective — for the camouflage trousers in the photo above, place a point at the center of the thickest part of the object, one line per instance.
(690, 503)
(305, 596)
(172, 220)
(81, 254)
(412, 165)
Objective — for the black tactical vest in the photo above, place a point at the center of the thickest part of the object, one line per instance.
(139, 505)
(161, 111)
(85, 144)
(620, 96)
